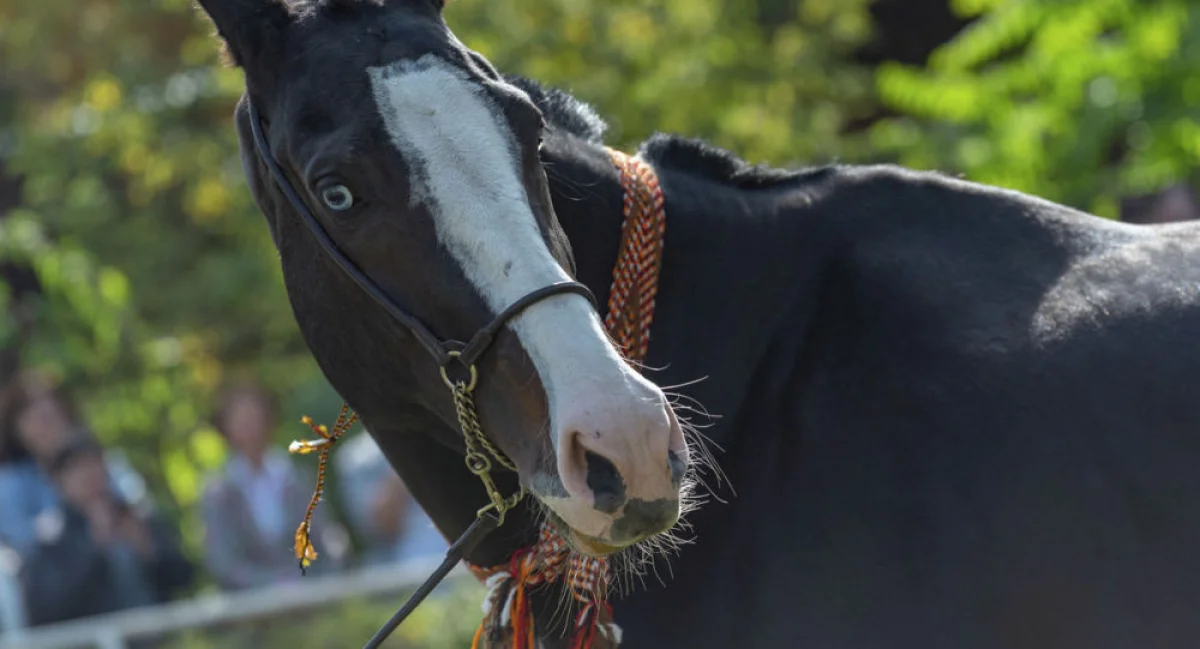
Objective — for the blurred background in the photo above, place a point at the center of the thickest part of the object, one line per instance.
(152, 373)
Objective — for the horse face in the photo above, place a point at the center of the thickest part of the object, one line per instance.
(422, 164)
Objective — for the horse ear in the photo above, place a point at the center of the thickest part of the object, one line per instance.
(249, 28)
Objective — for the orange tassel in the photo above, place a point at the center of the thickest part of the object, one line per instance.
(520, 620)
(304, 549)
(521, 614)
(585, 628)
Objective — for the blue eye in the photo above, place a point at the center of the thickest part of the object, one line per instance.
(337, 198)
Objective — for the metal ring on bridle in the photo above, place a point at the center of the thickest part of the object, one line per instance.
(478, 463)
(451, 357)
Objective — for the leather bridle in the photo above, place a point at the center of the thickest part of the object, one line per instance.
(447, 354)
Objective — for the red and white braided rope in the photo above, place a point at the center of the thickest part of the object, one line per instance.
(635, 277)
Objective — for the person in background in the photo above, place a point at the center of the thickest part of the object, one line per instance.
(252, 507)
(27, 490)
(37, 418)
(102, 553)
(12, 600)
(380, 508)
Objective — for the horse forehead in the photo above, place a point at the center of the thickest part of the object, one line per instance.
(465, 167)
(443, 120)
(432, 84)
(338, 107)
(332, 53)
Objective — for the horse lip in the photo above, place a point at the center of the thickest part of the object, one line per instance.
(589, 546)
(581, 543)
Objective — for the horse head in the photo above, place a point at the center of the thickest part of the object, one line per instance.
(421, 163)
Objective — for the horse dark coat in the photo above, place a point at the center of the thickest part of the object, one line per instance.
(954, 416)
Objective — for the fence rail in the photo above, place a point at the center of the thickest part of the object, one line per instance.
(116, 630)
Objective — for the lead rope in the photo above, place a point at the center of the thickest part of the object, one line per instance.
(508, 614)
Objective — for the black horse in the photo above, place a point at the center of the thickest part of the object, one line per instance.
(954, 416)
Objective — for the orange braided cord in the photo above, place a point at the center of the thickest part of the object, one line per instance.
(635, 278)
(305, 552)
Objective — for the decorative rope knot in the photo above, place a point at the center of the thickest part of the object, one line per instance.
(305, 552)
(508, 617)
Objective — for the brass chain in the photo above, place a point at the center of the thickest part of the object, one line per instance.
(477, 461)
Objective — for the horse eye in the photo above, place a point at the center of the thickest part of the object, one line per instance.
(338, 198)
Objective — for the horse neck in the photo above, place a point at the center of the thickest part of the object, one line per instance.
(742, 266)
(588, 199)
(707, 213)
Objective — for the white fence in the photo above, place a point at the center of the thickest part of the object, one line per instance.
(116, 630)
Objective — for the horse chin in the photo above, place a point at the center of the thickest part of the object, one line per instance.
(581, 543)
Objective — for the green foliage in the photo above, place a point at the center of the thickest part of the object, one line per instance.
(708, 68)
(1079, 101)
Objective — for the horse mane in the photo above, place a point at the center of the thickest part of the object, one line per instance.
(700, 158)
(562, 110)
(690, 155)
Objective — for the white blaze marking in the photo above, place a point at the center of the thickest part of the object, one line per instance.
(466, 172)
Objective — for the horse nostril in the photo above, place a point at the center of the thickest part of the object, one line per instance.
(677, 466)
(607, 487)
